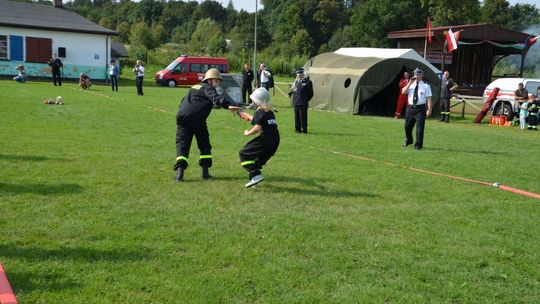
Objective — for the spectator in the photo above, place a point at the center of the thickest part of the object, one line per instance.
(302, 92)
(402, 98)
(247, 80)
(56, 65)
(263, 76)
(113, 72)
(84, 81)
(139, 76)
(22, 74)
(448, 85)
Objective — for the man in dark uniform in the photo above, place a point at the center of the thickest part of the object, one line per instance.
(56, 64)
(247, 79)
(448, 85)
(302, 92)
(191, 120)
(419, 94)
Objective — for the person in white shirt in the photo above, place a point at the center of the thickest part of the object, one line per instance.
(419, 107)
(139, 76)
(264, 76)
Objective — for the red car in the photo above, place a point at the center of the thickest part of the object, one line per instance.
(186, 70)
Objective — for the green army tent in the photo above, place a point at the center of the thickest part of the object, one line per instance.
(365, 80)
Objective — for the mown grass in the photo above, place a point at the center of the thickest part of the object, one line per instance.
(90, 213)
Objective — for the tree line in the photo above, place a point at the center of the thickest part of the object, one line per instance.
(291, 30)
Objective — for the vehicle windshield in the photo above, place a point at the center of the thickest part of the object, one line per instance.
(171, 66)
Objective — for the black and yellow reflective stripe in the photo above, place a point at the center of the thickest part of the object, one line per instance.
(197, 87)
(206, 156)
(182, 158)
(247, 162)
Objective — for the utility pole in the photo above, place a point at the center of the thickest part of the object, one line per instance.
(255, 43)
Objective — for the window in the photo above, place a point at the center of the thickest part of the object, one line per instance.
(38, 49)
(532, 86)
(195, 68)
(3, 47)
(16, 48)
(180, 68)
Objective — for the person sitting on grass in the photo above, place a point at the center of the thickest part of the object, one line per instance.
(84, 81)
(21, 78)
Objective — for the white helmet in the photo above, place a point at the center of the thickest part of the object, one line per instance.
(261, 96)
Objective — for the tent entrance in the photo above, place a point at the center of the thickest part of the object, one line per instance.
(384, 102)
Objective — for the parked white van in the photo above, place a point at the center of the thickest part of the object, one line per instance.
(505, 104)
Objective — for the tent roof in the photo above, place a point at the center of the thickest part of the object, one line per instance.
(382, 54)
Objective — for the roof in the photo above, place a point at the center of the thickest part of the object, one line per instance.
(118, 50)
(43, 16)
(481, 31)
(381, 54)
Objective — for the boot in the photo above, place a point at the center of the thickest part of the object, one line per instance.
(442, 117)
(205, 174)
(179, 175)
(447, 118)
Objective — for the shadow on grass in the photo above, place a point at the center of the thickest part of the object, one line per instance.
(328, 133)
(34, 158)
(312, 186)
(55, 280)
(24, 282)
(466, 151)
(40, 188)
(33, 253)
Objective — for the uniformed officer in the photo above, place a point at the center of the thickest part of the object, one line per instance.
(247, 79)
(419, 97)
(533, 108)
(191, 120)
(302, 91)
(448, 85)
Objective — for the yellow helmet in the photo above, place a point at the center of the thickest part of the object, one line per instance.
(212, 74)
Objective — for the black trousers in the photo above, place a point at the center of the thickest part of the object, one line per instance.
(114, 83)
(184, 136)
(445, 105)
(415, 115)
(246, 88)
(57, 77)
(139, 81)
(256, 153)
(300, 118)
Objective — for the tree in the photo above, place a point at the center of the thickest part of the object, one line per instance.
(207, 29)
(453, 12)
(367, 31)
(123, 30)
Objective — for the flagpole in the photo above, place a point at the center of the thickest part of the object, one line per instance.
(255, 42)
(425, 48)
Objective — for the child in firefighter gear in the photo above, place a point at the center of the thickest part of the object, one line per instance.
(533, 107)
(191, 120)
(259, 150)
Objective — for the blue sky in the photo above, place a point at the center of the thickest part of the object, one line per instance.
(249, 5)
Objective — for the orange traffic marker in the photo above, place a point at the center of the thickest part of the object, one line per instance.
(6, 293)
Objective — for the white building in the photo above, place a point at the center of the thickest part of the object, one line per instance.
(30, 33)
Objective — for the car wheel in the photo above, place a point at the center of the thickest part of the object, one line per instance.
(506, 110)
(171, 83)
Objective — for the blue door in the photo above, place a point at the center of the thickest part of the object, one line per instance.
(16, 48)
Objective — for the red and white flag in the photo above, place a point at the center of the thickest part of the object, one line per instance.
(429, 30)
(452, 40)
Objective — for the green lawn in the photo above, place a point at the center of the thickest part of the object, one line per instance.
(90, 213)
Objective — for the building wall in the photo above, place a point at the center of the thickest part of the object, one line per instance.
(85, 53)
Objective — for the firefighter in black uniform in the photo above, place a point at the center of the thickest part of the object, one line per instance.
(533, 108)
(302, 92)
(191, 120)
(258, 151)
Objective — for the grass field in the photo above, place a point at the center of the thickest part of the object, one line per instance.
(90, 214)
